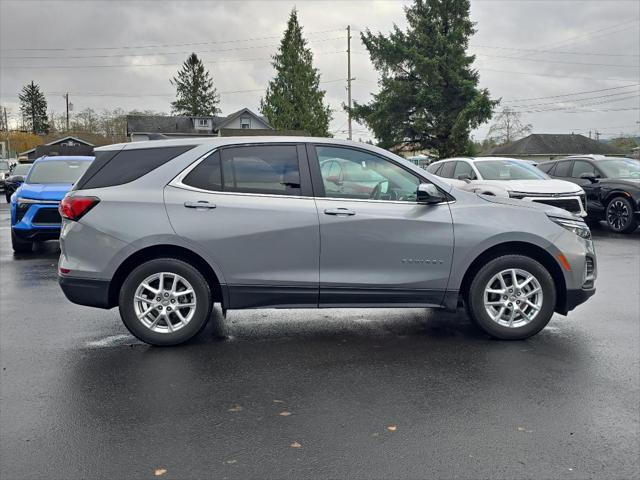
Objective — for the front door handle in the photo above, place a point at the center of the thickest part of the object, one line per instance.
(199, 204)
(339, 211)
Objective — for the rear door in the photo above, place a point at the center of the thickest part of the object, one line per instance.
(251, 208)
(382, 247)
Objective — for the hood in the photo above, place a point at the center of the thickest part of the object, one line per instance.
(38, 191)
(537, 186)
(541, 207)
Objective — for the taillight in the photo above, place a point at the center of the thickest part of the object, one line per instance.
(74, 208)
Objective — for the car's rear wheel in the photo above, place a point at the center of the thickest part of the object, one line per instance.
(19, 245)
(165, 301)
(512, 297)
(620, 216)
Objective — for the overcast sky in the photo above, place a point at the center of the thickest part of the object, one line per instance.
(534, 54)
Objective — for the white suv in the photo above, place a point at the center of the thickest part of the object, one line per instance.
(510, 177)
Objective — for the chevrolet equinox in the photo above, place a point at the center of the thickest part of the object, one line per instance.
(163, 229)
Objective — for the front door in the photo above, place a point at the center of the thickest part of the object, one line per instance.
(250, 208)
(379, 246)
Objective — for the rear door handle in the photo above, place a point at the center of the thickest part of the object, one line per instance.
(199, 204)
(339, 211)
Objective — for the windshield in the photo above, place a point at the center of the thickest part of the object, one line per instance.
(620, 168)
(21, 169)
(509, 170)
(57, 171)
(4, 165)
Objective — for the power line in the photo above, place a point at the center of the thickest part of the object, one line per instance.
(564, 62)
(136, 95)
(555, 52)
(130, 47)
(577, 100)
(571, 93)
(169, 64)
(155, 54)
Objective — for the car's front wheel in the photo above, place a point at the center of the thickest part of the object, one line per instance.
(512, 297)
(620, 216)
(165, 301)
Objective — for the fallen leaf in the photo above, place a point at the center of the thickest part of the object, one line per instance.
(158, 472)
(230, 461)
(522, 429)
(236, 408)
(392, 428)
(284, 414)
(296, 445)
(278, 401)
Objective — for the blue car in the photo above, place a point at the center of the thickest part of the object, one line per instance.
(34, 205)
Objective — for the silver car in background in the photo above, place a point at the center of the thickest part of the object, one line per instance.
(164, 229)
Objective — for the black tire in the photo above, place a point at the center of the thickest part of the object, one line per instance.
(20, 246)
(172, 265)
(475, 298)
(619, 215)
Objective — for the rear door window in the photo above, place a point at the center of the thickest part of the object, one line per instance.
(266, 169)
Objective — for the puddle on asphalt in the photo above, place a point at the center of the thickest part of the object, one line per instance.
(114, 341)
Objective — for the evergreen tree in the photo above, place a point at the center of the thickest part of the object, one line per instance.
(195, 94)
(33, 106)
(293, 100)
(429, 94)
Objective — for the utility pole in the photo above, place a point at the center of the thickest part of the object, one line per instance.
(597, 134)
(6, 126)
(349, 77)
(67, 101)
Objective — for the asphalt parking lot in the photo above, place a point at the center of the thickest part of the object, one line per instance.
(318, 394)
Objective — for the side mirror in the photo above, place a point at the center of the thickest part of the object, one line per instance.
(428, 193)
(465, 177)
(589, 176)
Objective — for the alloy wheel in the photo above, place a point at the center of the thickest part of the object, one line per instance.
(513, 298)
(618, 215)
(164, 302)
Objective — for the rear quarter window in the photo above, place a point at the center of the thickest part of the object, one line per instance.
(117, 167)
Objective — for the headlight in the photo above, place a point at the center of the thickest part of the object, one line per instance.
(576, 226)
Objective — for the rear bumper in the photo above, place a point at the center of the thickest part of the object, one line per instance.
(86, 291)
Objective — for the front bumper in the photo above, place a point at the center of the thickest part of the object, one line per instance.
(85, 291)
(575, 298)
(37, 234)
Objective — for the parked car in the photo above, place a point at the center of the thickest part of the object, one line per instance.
(5, 168)
(248, 222)
(15, 178)
(34, 206)
(612, 185)
(509, 177)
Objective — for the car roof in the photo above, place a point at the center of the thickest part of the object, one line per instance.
(81, 158)
(478, 159)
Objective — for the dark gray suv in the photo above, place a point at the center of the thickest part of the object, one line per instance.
(164, 229)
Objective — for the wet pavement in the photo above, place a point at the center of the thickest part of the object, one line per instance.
(318, 393)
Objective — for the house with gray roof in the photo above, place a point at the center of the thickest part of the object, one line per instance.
(146, 127)
(544, 146)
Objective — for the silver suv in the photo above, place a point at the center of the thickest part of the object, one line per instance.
(164, 229)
